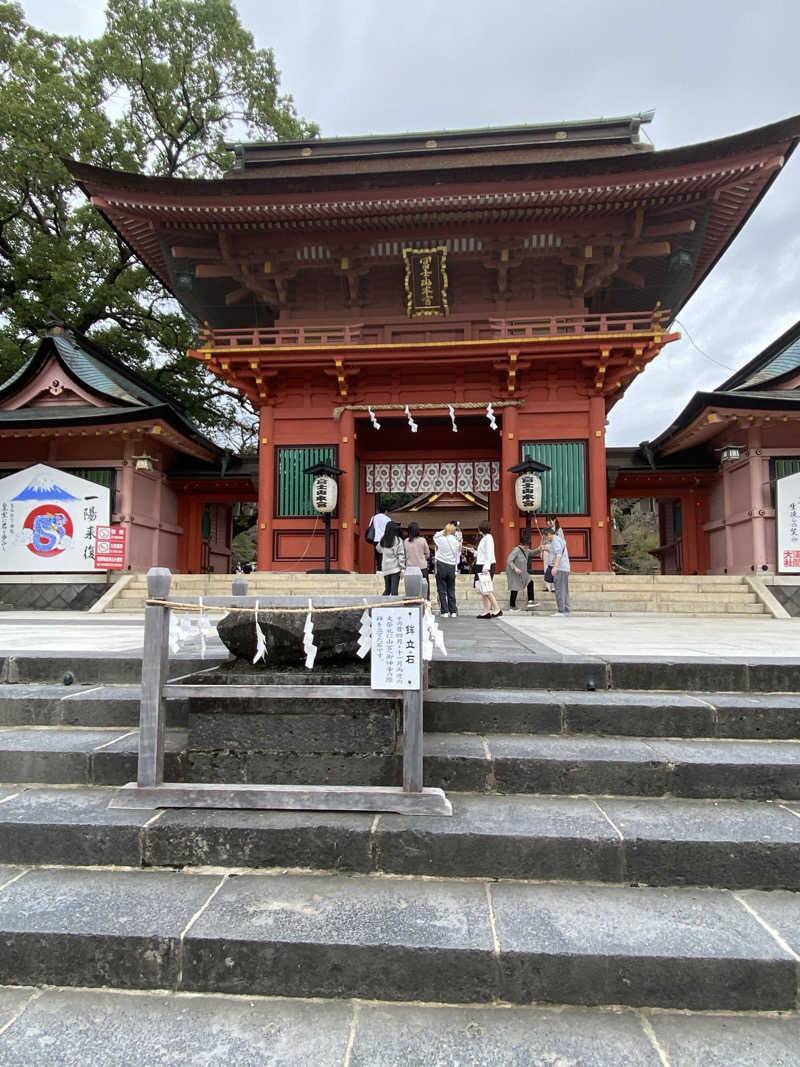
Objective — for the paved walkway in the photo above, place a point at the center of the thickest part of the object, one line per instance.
(624, 635)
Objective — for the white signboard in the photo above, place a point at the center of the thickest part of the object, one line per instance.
(787, 523)
(395, 654)
(48, 520)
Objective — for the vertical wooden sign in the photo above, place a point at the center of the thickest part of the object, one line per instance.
(426, 281)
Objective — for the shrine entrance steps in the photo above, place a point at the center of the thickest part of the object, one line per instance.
(591, 594)
(619, 882)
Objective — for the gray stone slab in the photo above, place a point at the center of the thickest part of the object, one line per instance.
(676, 948)
(359, 729)
(781, 911)
(320, 840)
(97, 927)
(457, 762)
(395, 939)
(491, 1037)
(771, 716)
(117, 763)
(32, 705)
(70, 826)
(12, 1000)
(492, 711)
(728, 1041)
(638, 714)
(92, 668)
(677, 673)
(576, 765)
(476, 669)
(101, 1029)
(52, 754)
(503, 837)
(775, 676)
(730, 843)
(731, 768)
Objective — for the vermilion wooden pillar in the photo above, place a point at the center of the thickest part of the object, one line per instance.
(347, 488)
(266, 487)
(598, 484)
(508, 533)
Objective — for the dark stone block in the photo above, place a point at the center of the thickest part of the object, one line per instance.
(576, 766)
(321, 841)
(683, 674)
(98, 1029)
(458, 762)
(69, 826)
(523, 837)
(491, 711)
(315, 936)
(359, 726)
(92, 928)
(774, 677)
(638, 715)
(513, 1037)
(324, 768)
(736, 844)
(481, 671)
(774, 717)
(665, 948)
(335, 634)
(749, 770)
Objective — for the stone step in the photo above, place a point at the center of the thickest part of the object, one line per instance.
(105, 1027)
(607, 712)
(615, 840)
(490, 763)
(373, 937)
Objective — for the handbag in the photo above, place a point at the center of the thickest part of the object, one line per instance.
(370, 534)
(548, 575)
(483, 583)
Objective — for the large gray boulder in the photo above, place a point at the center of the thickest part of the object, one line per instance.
(335, 633)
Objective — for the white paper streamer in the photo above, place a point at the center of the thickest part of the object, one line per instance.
(309, 647)
(411, 422)
(261, 644)
(202, 627)
(431, 635)
(364, 635)
(490, 417)
(181, 632)
(452, 417)
(373, 419)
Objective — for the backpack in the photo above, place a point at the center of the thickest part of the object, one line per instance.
(370, 534)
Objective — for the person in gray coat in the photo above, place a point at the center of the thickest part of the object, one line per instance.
(393, 558)
(517, 571)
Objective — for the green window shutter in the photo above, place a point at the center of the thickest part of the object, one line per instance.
(785, 467)
(294, 487)
(564, 490)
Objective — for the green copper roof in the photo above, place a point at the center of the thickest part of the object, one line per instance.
(788, 359)
(94, 373)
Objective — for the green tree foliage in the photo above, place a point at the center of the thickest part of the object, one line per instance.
(159, 93)
(636, 535)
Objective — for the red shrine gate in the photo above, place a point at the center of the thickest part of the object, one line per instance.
(528, 267)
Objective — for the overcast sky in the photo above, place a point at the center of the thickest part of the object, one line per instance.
(709, 67)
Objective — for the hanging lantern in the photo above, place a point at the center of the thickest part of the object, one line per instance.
(528, 490)
(324, 494)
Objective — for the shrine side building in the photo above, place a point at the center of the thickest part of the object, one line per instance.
(374, 296)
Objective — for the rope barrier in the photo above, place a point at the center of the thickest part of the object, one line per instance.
(464, 405)
(206, 608)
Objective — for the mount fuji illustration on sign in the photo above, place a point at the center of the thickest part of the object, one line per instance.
(42, 487)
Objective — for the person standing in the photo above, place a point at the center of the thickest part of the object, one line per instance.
(559, 562)
(375, 531)
(484, 567)
(393, 558)
(417, 552)
(448, 551)
(517, 572)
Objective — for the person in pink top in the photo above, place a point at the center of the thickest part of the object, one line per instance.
(418, 554)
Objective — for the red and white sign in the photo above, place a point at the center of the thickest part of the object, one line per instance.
(109, 551)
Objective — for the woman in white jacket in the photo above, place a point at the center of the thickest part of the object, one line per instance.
(485, 565)
(448, 553)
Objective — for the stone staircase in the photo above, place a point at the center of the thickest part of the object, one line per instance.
(591, 594)
(615, 846)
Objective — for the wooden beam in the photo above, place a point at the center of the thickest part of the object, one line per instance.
(194, 252)
(632, 277)
(236, 296)
(215, 270)
(667, 229)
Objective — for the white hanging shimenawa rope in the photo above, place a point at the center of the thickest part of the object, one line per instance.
(411, 422)
(452, 417)
(261, 644)
(309, 647)
(364, 635)
(490, 417)
(373, 419)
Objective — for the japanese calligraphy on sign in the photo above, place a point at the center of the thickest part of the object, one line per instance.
(787, 523)
(109, 552)
(395, 657)
(426, 281)
(48, 520)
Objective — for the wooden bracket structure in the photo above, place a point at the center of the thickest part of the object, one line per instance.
(150, 791)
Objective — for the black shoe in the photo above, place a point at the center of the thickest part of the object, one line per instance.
(497, 614)
(486, 616)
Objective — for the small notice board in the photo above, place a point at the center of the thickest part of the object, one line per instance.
(787, 523)
(109, 551)
(396, 656)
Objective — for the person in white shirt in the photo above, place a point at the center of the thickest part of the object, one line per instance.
(377, 528)
(448, 552)
(485, 565)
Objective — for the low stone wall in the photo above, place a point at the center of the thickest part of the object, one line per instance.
(50, 596)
